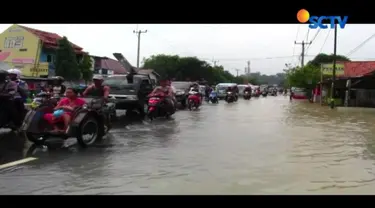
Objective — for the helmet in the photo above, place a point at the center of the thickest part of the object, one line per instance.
(16, 72)
(98, 77)
(58, 78)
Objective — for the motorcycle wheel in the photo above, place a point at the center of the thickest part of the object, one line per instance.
(96, 134)
(37, 139)
(190, 105)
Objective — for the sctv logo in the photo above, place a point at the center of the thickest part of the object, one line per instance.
(303, 16)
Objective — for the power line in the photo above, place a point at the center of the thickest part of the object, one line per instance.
(294, 48)
(307, 35)
(312, 41)
(325, 40)
(360, 45)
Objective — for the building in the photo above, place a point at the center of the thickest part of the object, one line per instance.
(107, 66)
(30, 50)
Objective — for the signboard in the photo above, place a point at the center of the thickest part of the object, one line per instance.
(327, 69)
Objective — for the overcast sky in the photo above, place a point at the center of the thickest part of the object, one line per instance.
(267, 46)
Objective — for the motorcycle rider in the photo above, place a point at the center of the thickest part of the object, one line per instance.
(9, 88)
(232, 90)
(97, 89)
(20, 96)
(167, 90)
(174, 91)
(58, 89)
(247, 89)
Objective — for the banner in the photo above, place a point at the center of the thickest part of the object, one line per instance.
(327, 69)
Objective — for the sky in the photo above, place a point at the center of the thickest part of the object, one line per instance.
(268, 47)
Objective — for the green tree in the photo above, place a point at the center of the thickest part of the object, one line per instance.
(187, 68)
(305, 77)
(86, 68)
(325, 58)
(66, 61)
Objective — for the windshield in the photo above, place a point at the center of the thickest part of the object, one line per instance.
(181, 85)
(119, 82)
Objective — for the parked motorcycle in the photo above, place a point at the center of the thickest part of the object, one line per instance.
(194, 100)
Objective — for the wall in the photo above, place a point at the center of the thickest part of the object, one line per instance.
(20, 49)
(43, 58)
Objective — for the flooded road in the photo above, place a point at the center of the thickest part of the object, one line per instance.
(262, 146)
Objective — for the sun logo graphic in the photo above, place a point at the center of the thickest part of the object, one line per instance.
(303, 16)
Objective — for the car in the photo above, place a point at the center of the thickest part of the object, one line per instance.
(182, 89)
(129, 92)
(221, 89)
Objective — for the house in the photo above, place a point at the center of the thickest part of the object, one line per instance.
(30, 50)
(107, 66)
(153, 75)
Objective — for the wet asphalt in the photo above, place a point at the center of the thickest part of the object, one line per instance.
(262, 146)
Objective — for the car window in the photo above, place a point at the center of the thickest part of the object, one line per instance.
(180, 85)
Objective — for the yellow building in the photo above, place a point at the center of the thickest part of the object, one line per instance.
(32, 51)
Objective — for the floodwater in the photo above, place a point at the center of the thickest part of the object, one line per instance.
(262, 146)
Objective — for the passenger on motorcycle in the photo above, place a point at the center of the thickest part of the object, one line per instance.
(67, 105)
(97, 89)
(165, 89)
(58, 89)
(10, 88)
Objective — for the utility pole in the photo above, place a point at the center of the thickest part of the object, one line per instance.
(248, 68)
(334, 69)
(139, 32)
(304, 44)
(237, 71)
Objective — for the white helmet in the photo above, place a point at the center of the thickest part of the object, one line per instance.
(16, 72)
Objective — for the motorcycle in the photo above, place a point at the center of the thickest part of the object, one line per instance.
(246, 95)
(273, 93)
(92, 119)
(230, 97)
(157, 107)
(6, 121)
(264, 93)
(213, 97)
(194, 100)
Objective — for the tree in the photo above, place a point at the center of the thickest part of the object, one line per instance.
(324, 58)
(305, 77)
(86, 68)
(187, 69)
(66, 61)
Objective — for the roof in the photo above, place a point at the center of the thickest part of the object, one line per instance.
(50, 40)
(111, 64)
(358, 68)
